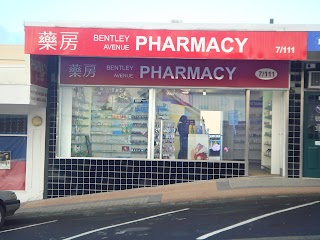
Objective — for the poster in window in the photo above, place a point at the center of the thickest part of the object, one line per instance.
(13, 177)
(5, 159)
(198, 147)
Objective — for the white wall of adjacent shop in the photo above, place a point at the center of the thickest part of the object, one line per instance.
(15, 100)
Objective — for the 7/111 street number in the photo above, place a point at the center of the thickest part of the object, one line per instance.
(283, 49)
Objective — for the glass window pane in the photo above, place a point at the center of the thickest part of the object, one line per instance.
(104, 122)
(13, 124)
(199, 124)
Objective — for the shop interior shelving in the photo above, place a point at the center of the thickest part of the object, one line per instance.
(266, 152)
(80, 143)
(119, 130)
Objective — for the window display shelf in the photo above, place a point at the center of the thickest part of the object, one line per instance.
(110, 133)
(113, 125)
(139, 151)
(269, 107)
(267, 129)
(268, 134)
(79, 134)
(139, 125)
(82, 109)
(80, 97)
(138, 142)
(240, 135)
(110, 151)
(139, 117)
(118, 123)
(255, 135)
(110, 122)
(234, 135)
(164, 139)
(114, 143)
(110, 117)
(101, 110)
(79, 117)
(80, 146)
(138, 134)
(121, 118)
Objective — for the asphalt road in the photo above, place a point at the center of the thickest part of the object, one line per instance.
(283, 217)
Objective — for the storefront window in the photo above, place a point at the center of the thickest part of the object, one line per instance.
(197, 124)
(103, 122)
(13, 148)
(190, 124)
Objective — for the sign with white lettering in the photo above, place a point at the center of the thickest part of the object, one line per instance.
(174, 72)
(190, 44)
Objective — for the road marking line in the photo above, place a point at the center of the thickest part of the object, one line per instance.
(33, 225)
(253, 219)
(125, 223)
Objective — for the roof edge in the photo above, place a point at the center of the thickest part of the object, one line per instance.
(181, 26)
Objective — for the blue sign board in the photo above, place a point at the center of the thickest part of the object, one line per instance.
(314, 41)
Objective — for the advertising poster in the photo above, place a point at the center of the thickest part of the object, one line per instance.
(198, 147)
(13, 162)
(5, 159)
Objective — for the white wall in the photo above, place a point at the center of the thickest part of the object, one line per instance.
(35, 151)
(14, 94)
(15, 81)
(14, 74)
(15, 99)
(35, 157)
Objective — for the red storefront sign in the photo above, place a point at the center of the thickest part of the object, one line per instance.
(174, 72)
(190, 44)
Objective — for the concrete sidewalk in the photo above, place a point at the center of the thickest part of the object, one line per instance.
(222, 189)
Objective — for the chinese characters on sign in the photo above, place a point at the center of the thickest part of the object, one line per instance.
(75, 70)
(170, 72)
(49, 40)
(166, 43)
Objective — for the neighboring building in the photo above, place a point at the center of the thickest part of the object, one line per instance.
(117, 94)
(22, 144)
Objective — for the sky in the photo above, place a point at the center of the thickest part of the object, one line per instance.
(14, 13)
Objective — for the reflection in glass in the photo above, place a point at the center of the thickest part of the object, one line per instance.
(208, 127)
(104, 122)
